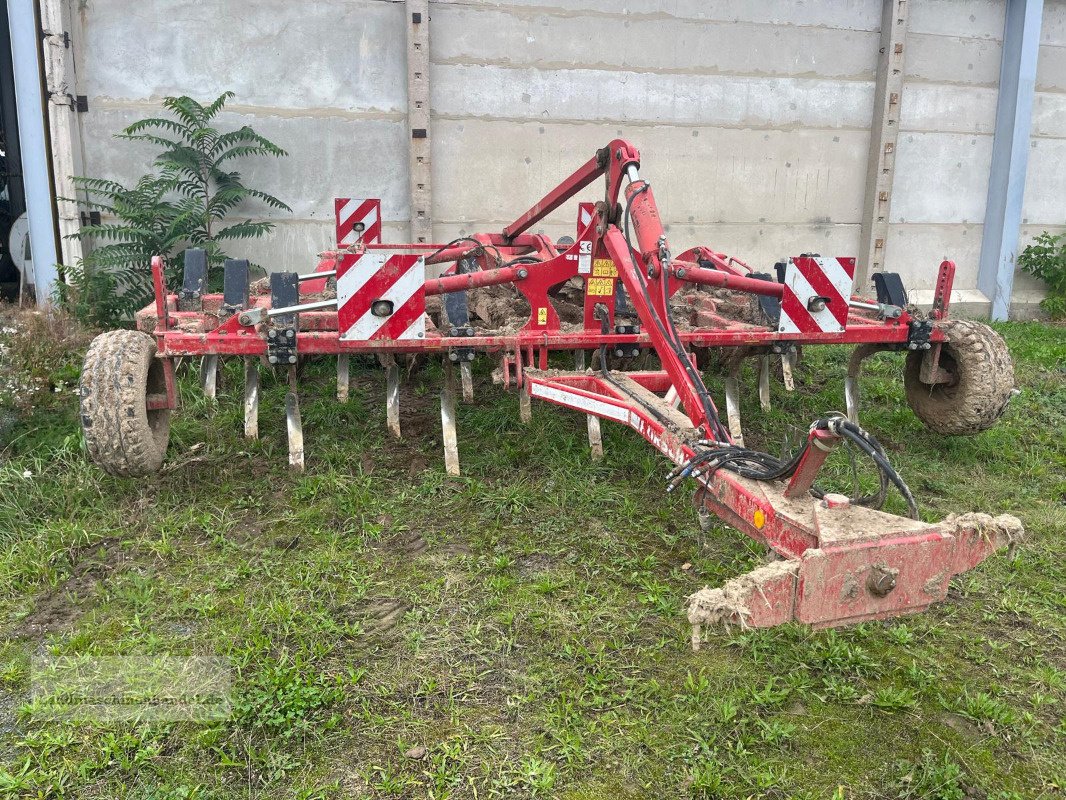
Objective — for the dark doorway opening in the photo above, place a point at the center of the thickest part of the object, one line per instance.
(12, 195)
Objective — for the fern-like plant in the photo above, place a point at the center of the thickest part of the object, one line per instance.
(187, 202)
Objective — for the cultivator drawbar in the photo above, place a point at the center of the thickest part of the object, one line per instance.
(619, 294)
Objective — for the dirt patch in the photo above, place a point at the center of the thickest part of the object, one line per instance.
(59, 608)
(457, 549)
(533, 564)
(408, 543)
(375, 618)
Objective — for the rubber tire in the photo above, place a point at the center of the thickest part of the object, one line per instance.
(984, 380)
(123, 437)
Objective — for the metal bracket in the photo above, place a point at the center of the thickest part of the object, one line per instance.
(627, 350)
(918, 335)
(190, 298)
(281, 347)
(890, 289)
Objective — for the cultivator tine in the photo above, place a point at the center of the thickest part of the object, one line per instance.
(447, 419)
(851, 382)
(392, 396)
(595, 437)
(343, 380)
(525, 411)
(466, 376)
(251, 397)
(209, 376)
(732, 409)
(788, 360)
(293, 424)
(851, 398)
(764, 382)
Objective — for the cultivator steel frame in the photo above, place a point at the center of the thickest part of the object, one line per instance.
(839, 561)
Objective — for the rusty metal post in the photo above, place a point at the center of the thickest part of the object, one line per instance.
(421, 193)
(884, 130)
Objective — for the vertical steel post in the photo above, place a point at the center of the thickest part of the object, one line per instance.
(64, 124)
(884, 130)
(421, 194)
(34, 145)
(1010, 153)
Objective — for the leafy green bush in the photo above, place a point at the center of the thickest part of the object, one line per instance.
(1045, 258)
(184, 204)
(286, 699)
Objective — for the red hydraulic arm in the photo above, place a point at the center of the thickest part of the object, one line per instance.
(612, 160)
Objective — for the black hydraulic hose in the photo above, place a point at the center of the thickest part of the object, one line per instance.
(716, 428)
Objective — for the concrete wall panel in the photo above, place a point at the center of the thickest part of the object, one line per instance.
(972, 19)
(915, 252)
(1049, 115)
(1053, 25)
(945, 59)
(1045, 183)
(631, 97)
(659, 44)
(942, 108)
(337, 54)
(843, 14)
(700, 175)
(941, 178)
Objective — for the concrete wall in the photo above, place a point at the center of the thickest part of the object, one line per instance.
(753, 118)
(326, 80)
(945, 146)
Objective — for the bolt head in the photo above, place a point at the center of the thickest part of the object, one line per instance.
(272, 334)
(290, 333)
(881, 581)
(453, 356)
(292, 359)
(619, 352)
(470, 356)
(273, 359)
(523, 273)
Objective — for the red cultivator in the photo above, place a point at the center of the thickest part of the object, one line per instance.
(841, 560)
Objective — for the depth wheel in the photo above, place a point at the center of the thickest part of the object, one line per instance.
(980, 381)
(123, 436)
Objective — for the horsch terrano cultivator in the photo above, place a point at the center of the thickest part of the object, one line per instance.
(620, 294)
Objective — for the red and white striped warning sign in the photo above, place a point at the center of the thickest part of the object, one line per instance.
(381, 295)
(584, 216)
(358, 220)
(816, 294)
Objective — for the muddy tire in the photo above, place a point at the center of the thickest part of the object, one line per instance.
(982, 380)
(123, 437)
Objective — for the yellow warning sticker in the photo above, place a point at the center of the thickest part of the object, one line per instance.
(604, 268)
(600, 287)
(542, 315)
(759, 518)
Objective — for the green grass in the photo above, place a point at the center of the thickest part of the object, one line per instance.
(393, 632)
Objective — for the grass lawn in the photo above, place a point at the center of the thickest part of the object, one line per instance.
(392, 632)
